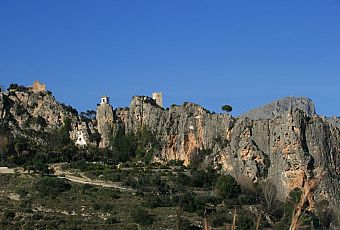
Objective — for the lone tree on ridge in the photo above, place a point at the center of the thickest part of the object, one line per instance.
(227, 108)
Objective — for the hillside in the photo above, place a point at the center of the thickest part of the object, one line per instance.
(285, 143)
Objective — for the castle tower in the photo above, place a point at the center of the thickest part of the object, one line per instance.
(38, 87)
(158, 97)
(105, 100)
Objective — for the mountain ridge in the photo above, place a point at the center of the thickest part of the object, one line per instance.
(288, 148)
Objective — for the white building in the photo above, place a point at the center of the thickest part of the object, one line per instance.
(105, 100)
(80, 139)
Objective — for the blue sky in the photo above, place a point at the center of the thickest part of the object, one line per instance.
(237, 52)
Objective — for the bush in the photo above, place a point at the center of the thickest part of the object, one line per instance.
(95, 137)
(155, 201)
(295, 195)
(190, 202)
(243, 222)
(227, 108)
(52, 186)
(112, 220)
(227, 187)
(38, 166)
(141, 145)
(201, 178)
(142, 216)
(13, 86)
(22, 192)
(41, 121)
(175, 163)
(220, 218)
(105, 207)
(9, 215)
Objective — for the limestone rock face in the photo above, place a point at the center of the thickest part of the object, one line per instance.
(34, 110)
(334, 121)
(183, 130)
(287, 146)
(287, 149)
(105, 123)
(276, 108)
(26, 113)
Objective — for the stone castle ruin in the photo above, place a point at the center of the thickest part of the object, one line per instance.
(38, 87)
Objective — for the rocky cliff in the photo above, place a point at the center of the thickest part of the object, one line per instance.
(105, 121)
(278, 107)
(288, 148)
(29, 114)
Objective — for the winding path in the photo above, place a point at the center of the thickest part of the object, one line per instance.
(65, 174)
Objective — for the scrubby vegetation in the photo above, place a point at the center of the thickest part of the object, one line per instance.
(162, 197)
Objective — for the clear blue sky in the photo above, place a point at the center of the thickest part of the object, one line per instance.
(237, 52)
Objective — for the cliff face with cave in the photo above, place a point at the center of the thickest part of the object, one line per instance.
(288, 147)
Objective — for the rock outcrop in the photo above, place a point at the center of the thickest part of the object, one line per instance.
(335, 121)
(29, 114)
(285, 142)
(105, 121)
(288, 148)
(22, 108)
(278, 107)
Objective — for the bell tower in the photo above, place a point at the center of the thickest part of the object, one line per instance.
(104, 100)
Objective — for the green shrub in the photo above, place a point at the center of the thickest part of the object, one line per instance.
(227, 108)
(8, 215)
(41, 121)
(95, 137)
(175, 163)
(13, 86)
(52, 186)
(227, 187)
(220, 218)
(111, 220)
(244, 222)
(141, 145)
(105, 207)
(295, 195)
(190, 202)
(203, 179)
(155, 201)
(22, 192)
(20, 110)
(142, 216)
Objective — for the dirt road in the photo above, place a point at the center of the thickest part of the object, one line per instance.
(77, 178)
(82, 179)
(6, 170)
